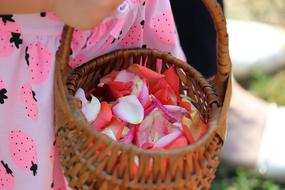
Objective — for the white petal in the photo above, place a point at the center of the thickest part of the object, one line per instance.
(109, 133)
(129, 109)
(92, 109)
(173, 108)
(138, 85)
(80, 94)
(137, 160)
(125, 131)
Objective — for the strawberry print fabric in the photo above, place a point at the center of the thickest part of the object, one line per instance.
(28, 43)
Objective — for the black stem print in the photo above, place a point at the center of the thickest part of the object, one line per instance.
(34, 95)
(142, 22)
(34, 168)
(6, 18)
(3, 95)
(8, 170)
(16, 39)
(27, 56)
(43, 14)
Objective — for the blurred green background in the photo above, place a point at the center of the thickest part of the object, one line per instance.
(270, 87)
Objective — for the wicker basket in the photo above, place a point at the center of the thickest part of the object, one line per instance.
(192, 167)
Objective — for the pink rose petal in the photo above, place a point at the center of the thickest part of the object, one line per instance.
(153, 127)
(159, 65)
(147, 145)
(169, 115)
(144, 95)
(177, 111)
(149, 109)
(167, 139)
(138, 85)
(128, 139)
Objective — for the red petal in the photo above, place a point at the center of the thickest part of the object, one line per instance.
(109, 77)
(145, 72)
(194, 129)
(135, 170)
(120, 89)
(197, 127)
(148, 104)
(125, 76)
(165, 97)
(159, 84)
(162, 90)
(180, 142)
(100, 147)
(185, 105)
(204, 130)
(104, 116)
(172, 79)
(187, 132)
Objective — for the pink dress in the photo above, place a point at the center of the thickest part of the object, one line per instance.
(28, 44)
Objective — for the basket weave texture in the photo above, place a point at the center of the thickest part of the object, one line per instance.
(89, 166)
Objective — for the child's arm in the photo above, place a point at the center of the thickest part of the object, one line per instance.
(25, 6)
(77, 13)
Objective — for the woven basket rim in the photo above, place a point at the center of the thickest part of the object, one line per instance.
(83, 123)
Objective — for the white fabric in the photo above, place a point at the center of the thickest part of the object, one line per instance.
(271, 158)
(255, 45)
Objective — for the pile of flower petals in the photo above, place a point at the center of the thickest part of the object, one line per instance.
(142, 107)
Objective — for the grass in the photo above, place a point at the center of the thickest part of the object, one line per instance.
(270, 88)
(242, 179)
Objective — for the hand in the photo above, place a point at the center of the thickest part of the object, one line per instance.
(84, 14)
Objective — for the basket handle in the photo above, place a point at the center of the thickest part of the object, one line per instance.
(223, 60)
(222, 80)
